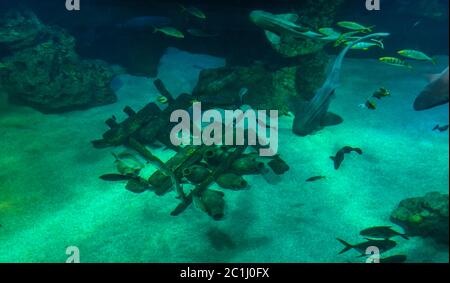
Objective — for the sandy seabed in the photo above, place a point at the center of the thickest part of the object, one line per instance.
(51, 196)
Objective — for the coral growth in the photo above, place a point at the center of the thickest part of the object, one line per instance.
(425, 216)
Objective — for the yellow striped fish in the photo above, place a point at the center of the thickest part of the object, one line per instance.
(395, 62)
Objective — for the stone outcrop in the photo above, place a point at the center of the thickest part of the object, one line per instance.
(425, 216)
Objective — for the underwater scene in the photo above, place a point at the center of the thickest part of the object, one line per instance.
(303, 131)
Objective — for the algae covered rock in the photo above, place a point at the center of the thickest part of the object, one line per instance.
(425, 216)
(47, 74)
(19, 29)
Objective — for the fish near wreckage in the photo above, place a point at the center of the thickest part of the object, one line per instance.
(313, 115)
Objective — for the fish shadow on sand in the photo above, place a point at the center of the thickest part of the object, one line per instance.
(230, 240)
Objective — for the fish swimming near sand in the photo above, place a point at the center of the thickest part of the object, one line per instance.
(127, 164)
(371, 105)
(193, 11)
(394, 259)
(315, 178)
(116, 177)
(170, 31)
(381, 93)
(382, 245)
(313, 115)
(434, 94)
(441, 128)
(382, 232)
(339, 157)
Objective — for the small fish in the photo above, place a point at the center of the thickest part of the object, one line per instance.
(395, 62)
(315, 178)
(339, 157)
(170, 31)
(162, 99)
(348, 36)
(115, 177)
(2, 66)
(370, 105)
(196, 12)
(382, 92)
(382, 232)
(394, 259)
(416, 55)
(441, 128)
(355, 26)
(382, 245)
(127, 164)
(200, 33)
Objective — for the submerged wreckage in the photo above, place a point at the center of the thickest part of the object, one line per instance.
(198, 165)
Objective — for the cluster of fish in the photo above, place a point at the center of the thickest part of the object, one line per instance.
(162, 24)
(380, 238)
(379, 94)
(410, 54)
(348, 37)
(192, 11)
(356, 29)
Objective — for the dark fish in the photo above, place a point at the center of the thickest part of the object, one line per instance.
(382, 245)
(441, 129)
(115, 177)
(383, 232)
(137, 186)
(370, 105)
(146, 22)
(315, 178)
(393, 259)
(339, 157)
